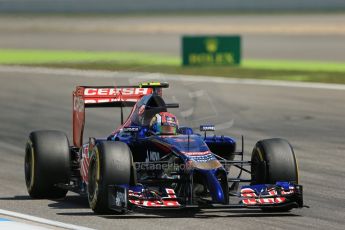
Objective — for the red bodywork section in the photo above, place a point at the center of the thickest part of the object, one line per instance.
(94, 96)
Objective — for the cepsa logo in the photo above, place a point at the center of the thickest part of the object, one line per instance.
(115, 91)
(103, 95)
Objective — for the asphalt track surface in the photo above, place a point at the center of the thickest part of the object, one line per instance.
(273, 36)
(312, 119)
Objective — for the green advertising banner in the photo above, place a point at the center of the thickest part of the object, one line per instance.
(211, 50)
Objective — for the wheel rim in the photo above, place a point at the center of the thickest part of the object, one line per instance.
(93, 180)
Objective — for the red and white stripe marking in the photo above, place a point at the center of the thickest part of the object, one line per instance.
(168, 201)
(85, 169)
(252, 199)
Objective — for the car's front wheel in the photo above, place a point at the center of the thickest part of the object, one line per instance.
(110, 164)
(273, 160)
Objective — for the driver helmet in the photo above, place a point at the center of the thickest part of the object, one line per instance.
(164, 123)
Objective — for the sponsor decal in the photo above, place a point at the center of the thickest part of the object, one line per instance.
(104, 100)
(211, 50)
(207, 128)
(152, 156)
(115, 91)
(131, 129)
(84, 163)
(104, 95)
(78, 104)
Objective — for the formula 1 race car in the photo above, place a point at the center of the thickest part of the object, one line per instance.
(151, 162)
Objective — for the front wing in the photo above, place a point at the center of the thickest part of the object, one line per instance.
(281, 194)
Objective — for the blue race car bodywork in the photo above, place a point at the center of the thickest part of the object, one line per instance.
(172, 171)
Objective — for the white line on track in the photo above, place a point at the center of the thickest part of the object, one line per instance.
(183, 78)
(42, 220)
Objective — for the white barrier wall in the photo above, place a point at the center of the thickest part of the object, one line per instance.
(166, 5)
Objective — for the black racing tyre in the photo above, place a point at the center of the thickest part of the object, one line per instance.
(47, 163)
(273, 160)
(111, 163)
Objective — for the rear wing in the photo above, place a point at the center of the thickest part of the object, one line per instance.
(107, 96)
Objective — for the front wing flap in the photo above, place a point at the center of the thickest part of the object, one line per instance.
(279, 194)
(124, 197)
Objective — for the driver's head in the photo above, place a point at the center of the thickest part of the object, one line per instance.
(164, 123)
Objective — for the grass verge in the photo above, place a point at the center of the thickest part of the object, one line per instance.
(308, 71)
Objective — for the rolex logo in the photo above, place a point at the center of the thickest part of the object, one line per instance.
(211, 45)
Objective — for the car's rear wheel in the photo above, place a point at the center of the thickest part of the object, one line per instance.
(47, 163)
(273, 160)
(111, 163)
